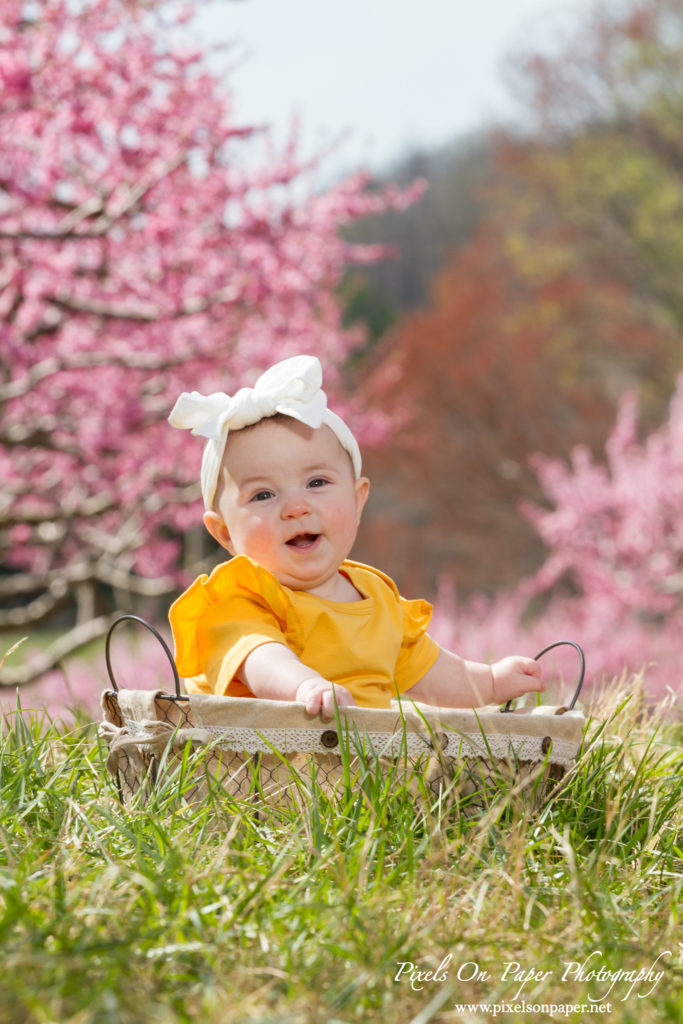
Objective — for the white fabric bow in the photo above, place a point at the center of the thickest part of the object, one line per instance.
(292, 387)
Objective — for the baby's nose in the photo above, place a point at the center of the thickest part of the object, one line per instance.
(294, 506)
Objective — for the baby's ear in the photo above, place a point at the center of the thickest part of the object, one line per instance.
(362, 487)
(218, 530)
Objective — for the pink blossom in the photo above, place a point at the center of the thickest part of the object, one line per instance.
(144, 253)
(612, 580)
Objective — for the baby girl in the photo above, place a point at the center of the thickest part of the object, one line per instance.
(290, 616)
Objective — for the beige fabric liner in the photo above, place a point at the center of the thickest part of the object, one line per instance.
(141, 727)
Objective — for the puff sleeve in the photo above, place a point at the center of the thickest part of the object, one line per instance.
(418, 650)
(222, 618)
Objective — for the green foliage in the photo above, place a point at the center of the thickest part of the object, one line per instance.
(364, 305)
(598, 178)
(235, 910)
(422, 237)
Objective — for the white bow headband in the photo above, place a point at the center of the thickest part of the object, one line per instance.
(292, 387)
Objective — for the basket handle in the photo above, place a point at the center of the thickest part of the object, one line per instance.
(560, 643)
(150, 627)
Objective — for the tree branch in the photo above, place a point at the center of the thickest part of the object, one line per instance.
(38, 436)
(87, 361)
(36, 610)
(96, 308)
(56, 652)
(97, 205)
(152, 314)
(144, 586)
(95, 505)
(51, 580)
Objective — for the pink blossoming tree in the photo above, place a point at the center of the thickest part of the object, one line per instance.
(613, 576)
(143, 251)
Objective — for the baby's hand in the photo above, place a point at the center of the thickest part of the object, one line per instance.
(515, 676)
(319, 695)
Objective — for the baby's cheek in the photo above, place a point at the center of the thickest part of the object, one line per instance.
(346, 519)
(255, 539)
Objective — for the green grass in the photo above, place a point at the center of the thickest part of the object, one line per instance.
(233, 912)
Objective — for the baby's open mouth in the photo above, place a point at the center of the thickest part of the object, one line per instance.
(303, 540)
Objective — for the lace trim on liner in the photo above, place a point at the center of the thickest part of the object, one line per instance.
(326, 741)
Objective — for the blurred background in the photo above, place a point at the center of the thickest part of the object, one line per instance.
(474, 216)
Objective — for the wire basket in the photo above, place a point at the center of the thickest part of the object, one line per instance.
(267, 750)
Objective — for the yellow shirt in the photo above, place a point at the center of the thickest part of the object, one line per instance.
(376, 647)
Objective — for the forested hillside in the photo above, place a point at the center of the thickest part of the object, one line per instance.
(549, 287)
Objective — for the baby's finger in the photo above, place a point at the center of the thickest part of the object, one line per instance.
(531, 683)
(327, 705)
(314, 702)
(523, 666)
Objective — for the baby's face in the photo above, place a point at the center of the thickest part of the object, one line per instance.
(289, 500)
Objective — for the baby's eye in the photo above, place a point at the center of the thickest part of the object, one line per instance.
(261, 496)
(318, 481)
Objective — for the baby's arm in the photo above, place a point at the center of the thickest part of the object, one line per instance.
(274, 672)
(455, 683)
